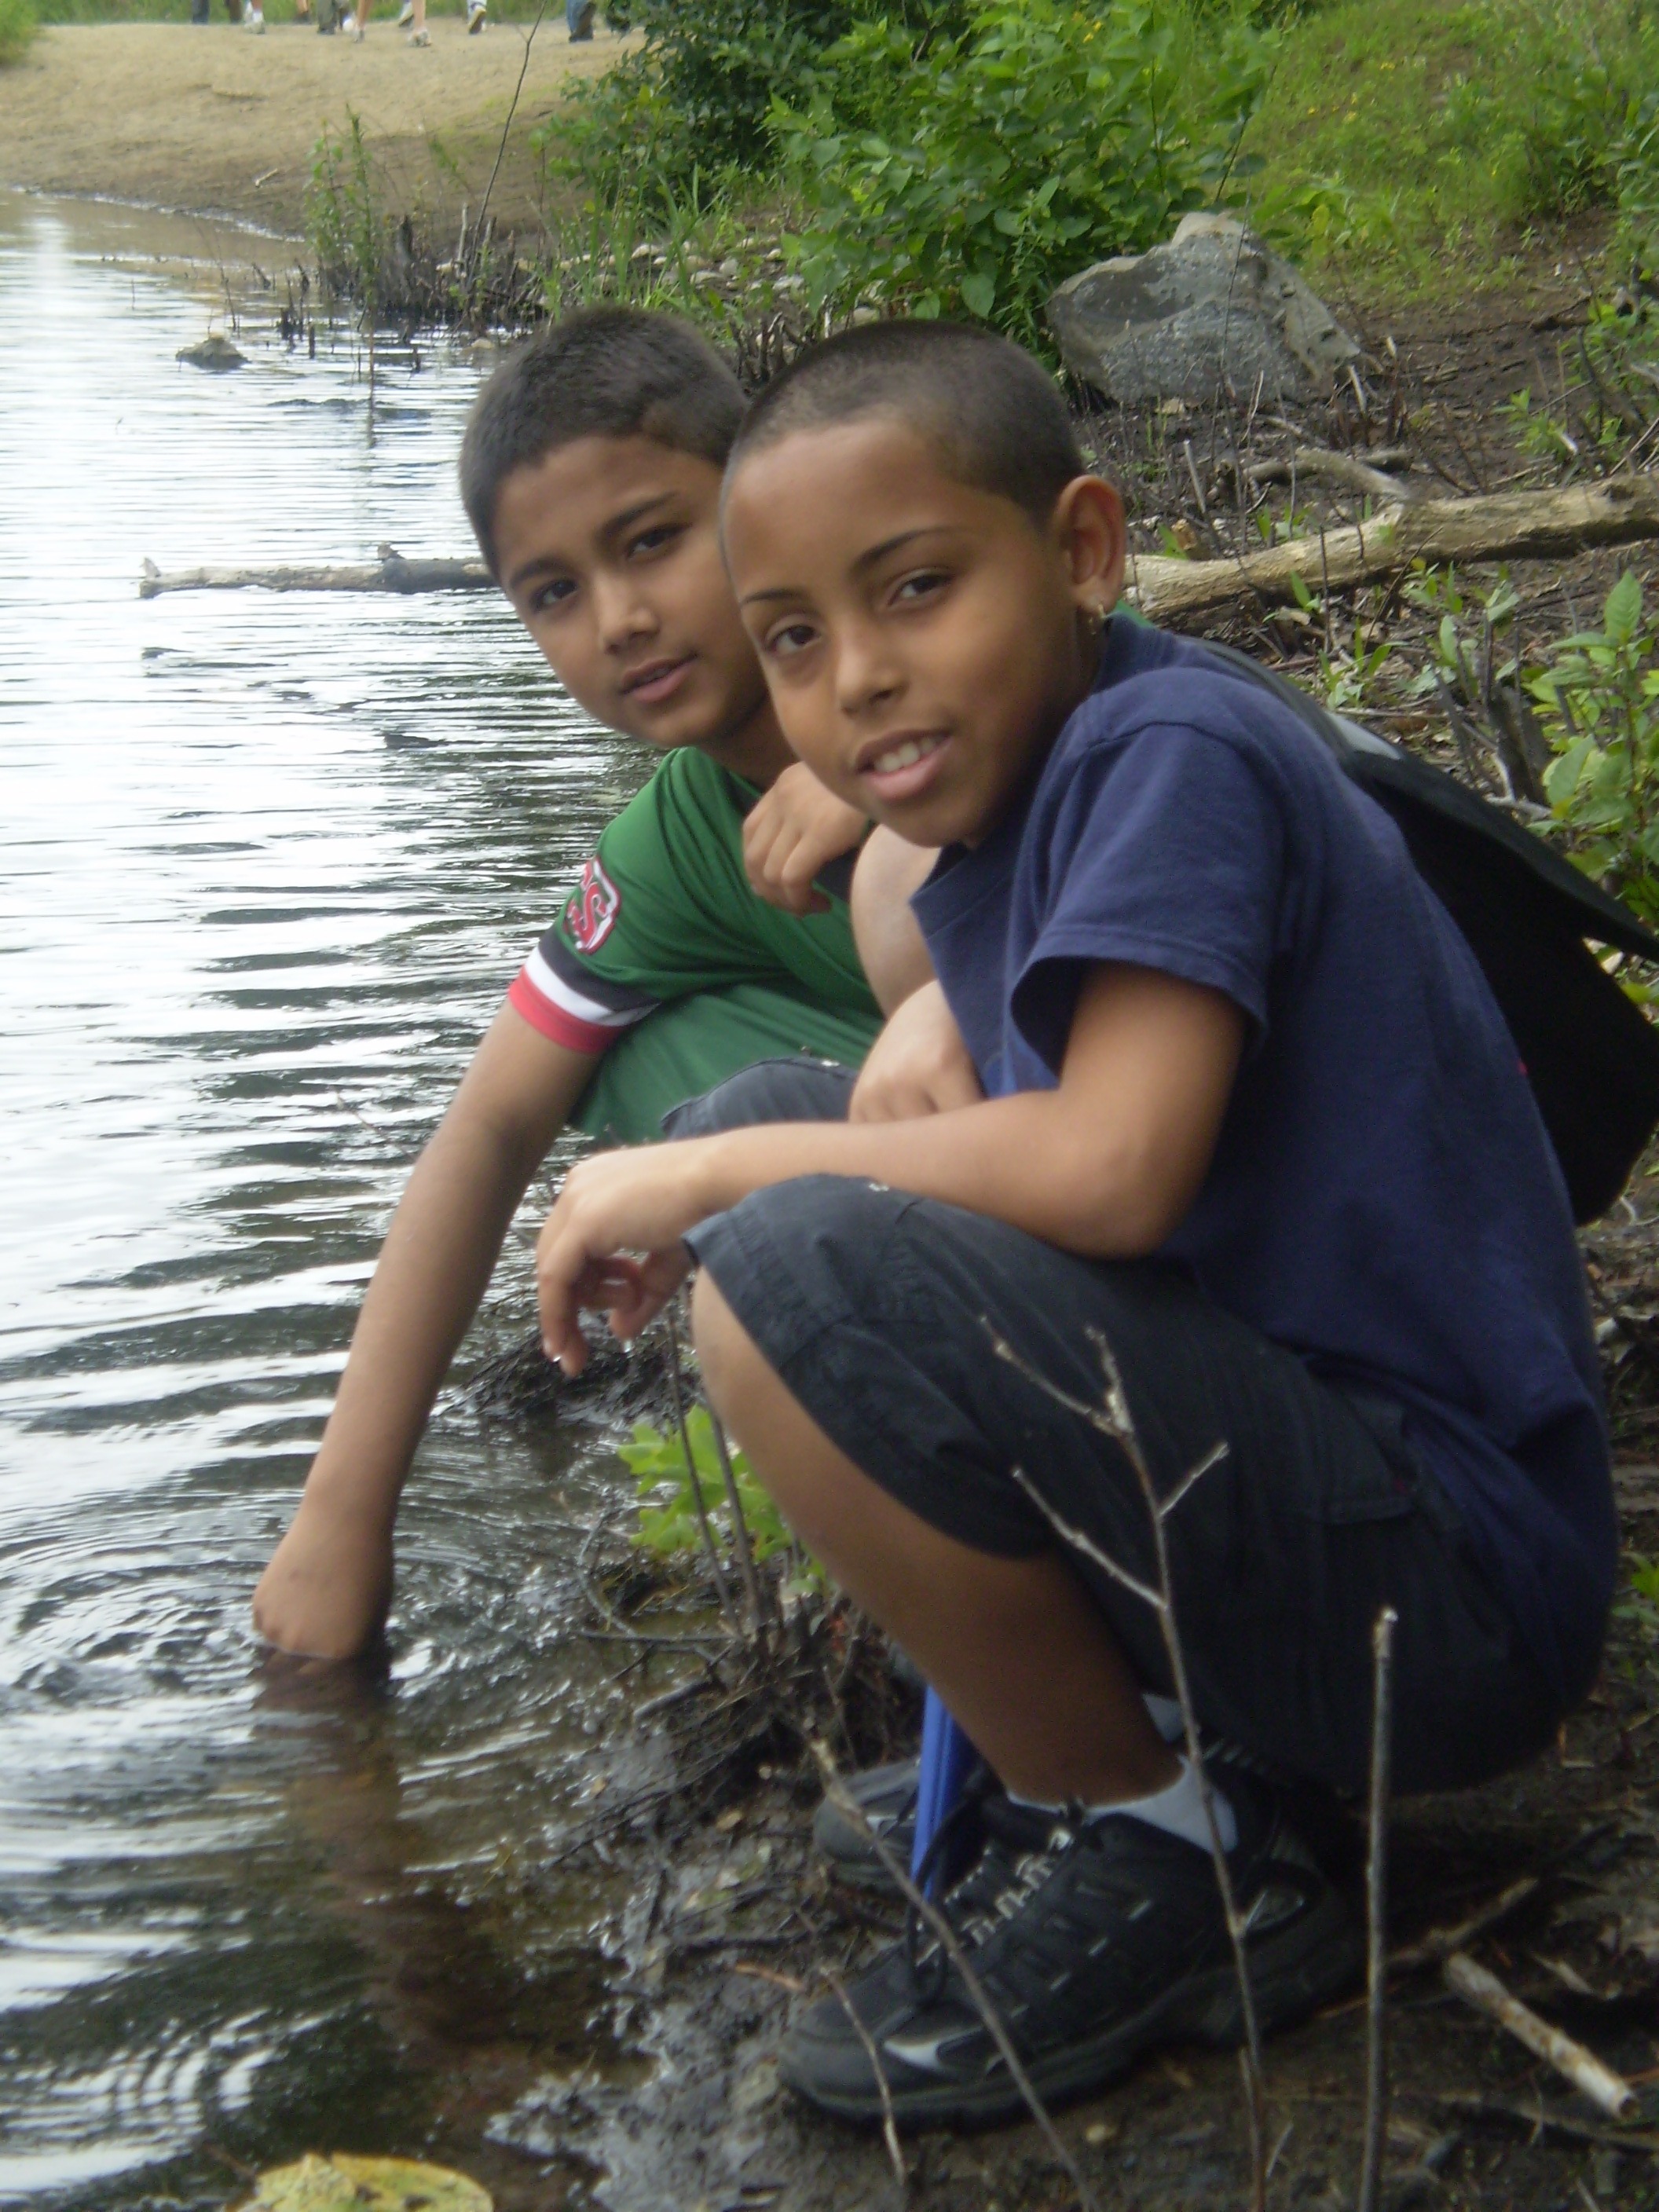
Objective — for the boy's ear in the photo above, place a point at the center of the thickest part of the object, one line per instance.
(1092, 541)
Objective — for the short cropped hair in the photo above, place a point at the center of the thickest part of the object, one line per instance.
(603, 373)
(992, 411)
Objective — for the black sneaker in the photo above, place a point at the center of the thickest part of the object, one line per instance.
(1095, 1942)
(886, 1795)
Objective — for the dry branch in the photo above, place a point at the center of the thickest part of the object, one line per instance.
(1313, 462)
(390, 572)
(1509, 525)
(1435, 1948)
(1609, 2091)
(1377, 1913)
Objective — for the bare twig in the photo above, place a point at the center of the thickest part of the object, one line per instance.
(759, 1611)
(899, 1875)
(1377, 1928)
(1434, 1948)
(1541, 2121)
(705, 1530)
(512, 109)
(889, 2124)
(1479, 1987)
(1115, 1420)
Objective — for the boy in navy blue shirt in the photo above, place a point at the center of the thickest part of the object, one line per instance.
(1250, 1114)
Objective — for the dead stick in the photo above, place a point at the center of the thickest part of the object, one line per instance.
(1114, 1418)
(1437, 1946)
(1608, 2091)
(1541, 2121)
(1377, 1912)
(889, 2124)
(705, 1529)
(746, 1551)
(390, 574)
(899, 1876)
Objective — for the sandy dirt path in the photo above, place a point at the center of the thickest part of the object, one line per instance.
(217, 121)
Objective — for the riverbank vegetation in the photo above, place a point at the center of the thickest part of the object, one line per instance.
(18, 25)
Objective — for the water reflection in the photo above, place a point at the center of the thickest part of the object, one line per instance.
(269, 863)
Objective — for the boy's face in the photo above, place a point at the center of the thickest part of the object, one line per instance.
(608, 549)
(921, 638)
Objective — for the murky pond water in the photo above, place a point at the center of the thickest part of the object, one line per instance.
(269, 863)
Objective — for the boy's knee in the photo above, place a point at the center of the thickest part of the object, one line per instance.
(732, 1369)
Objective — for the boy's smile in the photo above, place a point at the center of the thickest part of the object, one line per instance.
(607, 549)
(921, 636)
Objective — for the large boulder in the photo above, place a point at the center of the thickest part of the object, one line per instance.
(1211, 310)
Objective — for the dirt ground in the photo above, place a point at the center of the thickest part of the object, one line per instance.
(214, 121)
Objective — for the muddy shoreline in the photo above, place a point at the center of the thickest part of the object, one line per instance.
(212, 121)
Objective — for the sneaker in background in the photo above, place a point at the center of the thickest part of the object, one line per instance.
(475, 21)
(253, 20)
(420, 38)
(886, 1795)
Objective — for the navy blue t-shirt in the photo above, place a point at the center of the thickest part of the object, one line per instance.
(1383, 1199)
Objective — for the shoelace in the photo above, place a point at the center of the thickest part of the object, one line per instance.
(1012, 1847)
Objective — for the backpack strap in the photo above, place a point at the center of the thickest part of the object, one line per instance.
(1591, 1054)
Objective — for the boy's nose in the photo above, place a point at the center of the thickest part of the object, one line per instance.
(620, 613)
(865, 672)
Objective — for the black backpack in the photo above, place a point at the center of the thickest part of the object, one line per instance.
(1591, 1054)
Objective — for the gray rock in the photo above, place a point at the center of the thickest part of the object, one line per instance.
(215, 353)
(1212, 309)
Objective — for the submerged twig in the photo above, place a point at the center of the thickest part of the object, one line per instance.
(1376, 1925)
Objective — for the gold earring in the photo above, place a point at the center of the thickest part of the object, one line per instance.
(1096, 619)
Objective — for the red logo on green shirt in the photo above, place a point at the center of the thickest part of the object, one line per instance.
(592, 909)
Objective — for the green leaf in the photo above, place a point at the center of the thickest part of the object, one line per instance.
(1622, 615)
(979, 294)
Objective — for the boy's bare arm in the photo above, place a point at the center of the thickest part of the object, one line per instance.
(791, 833)
(1105, 1165)
(328, 1582)
(891, 948)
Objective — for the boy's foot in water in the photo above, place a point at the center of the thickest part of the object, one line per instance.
(1094, 1939)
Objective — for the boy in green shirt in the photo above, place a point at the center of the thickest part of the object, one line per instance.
(702, 936)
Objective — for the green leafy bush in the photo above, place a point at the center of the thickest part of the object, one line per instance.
(18, 25)
(1599, 702)
(667, 1505)
(968, 173)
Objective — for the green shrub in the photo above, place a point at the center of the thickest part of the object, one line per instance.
(18, 25)
(1598, 701)
(969, 174)
(668, 1521)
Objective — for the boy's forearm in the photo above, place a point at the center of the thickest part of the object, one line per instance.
(1017, 1159)
(433, 1268)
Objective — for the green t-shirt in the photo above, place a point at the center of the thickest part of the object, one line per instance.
(664, 911)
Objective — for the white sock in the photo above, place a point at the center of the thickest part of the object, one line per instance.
(1164, 1713)
(1178, 1810)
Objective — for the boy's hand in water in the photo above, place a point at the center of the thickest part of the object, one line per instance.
(612, 1242)
(917, 1064)
(329, 1584)
(791, 832)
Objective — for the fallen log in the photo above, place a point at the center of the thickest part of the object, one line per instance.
(390, 572)
(1506, 526)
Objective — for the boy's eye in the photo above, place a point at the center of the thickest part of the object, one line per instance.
(653, 540)
(553, 594)
(924, 584)
(790, 638)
